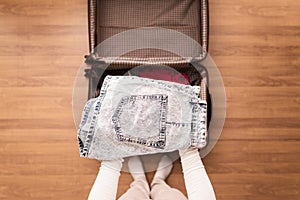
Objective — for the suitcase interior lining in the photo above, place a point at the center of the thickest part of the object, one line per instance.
(113, 17)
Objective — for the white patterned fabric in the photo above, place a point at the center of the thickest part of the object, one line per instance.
(138, 116)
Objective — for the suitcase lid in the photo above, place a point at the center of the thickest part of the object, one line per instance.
(109, 18)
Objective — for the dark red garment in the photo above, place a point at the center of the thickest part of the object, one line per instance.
(165, 74)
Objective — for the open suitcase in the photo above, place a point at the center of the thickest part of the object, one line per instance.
(107, 18)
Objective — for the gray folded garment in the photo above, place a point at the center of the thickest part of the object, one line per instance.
(137, 116)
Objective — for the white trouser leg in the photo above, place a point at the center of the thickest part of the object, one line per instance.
(197, 183)
(106, 184)
(139, 190)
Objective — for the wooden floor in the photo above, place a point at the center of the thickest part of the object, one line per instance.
(256, 45)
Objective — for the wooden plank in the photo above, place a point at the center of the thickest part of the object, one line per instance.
(36, 12)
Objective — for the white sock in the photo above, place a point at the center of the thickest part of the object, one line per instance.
(136, 168)
(164, 168)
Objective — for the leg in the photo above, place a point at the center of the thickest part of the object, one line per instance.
(106, 183)
(160, 190)
(139, 188)
(197, 183)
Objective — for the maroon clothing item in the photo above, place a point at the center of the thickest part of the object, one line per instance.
(159, 73)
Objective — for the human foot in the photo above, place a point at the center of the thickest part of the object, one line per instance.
(164, 168)
(136, 168)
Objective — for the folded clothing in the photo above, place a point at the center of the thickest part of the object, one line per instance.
(138, 116)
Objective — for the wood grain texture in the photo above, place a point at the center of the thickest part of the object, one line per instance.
(256, 45)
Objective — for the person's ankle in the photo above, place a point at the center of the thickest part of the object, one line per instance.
(163, 170)
(136, 168)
